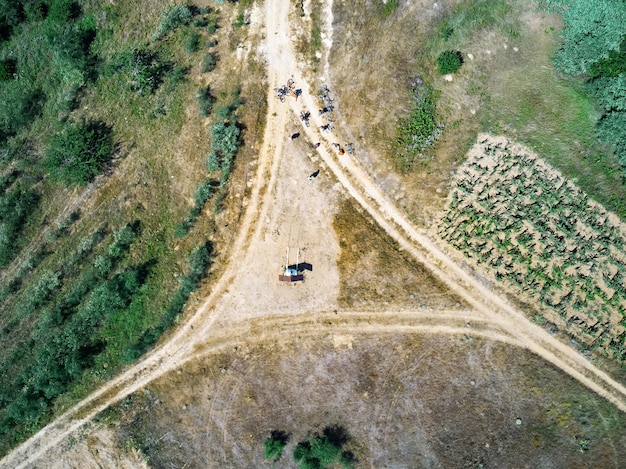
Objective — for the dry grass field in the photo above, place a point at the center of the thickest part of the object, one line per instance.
(375, 273)
(541, 236)
(405, 401)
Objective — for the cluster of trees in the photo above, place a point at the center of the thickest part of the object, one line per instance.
(317, 451)
(199, 263)
(46, 59)
(18, 199)
(66, 339)
(594, 47)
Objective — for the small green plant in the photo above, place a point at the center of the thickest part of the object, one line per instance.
(389, 7)
(173, 18)
(322, 451)
(192, 42)
(205, 101)
(212, 25)
(79, 152)
(240, 21)
(208, 63)
(274, 445)
(449, 61)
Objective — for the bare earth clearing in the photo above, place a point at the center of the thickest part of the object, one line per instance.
(248, 307)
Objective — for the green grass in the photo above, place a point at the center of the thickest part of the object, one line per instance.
(557, 120)
(470, 17)
(522, 96)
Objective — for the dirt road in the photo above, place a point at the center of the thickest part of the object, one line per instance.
(222, 322)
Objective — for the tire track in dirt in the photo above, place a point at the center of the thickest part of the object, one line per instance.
(489, 303)
(263, 330)
(197, 337)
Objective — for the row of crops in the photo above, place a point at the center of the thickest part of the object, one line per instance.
(543, 238)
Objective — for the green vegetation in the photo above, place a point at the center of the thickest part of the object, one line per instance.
(18, 201)
(81, 297)
(322, 451)
(543, 239)
(192, 42)
(203, 194)
(418, 131)
(175, 17)
(388, 7)
(470, 17)
(78, 153)
(594, 46)
(208, 62)
(274, 445)
(205, 101)
(225, 143)
(449, 61)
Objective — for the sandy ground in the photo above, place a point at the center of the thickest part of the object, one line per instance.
(285, 209)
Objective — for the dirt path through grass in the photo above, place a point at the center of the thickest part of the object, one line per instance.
(219, 322)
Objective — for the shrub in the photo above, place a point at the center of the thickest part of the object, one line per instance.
(389, 7)
(203, 193)
(8, 67)
(205, 101)
(20, 105)
(176, 16)
(78, 153)
(240, 21)
(274, 445)
(212, 26)
(208, 63)
(16, 205)
(143, 69)
(419, 130)
(192, 42)
(319, 453)
(612, 130)
(449, 61)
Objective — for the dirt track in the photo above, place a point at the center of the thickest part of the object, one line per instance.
(221, 322)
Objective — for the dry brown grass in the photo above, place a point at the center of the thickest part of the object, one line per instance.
(374, 271)
(405, 400)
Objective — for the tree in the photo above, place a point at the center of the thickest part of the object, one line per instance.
(322, 451)
(274, 445)
(79, 152)
(593, 28)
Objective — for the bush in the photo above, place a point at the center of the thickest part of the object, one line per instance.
(212, 26)
(274, 445)
(143, 69)
(419, 130)
(205, 101)
(192, 42)
(324, 450)
(612, 130)
(20, 105)
(8, 67)
(173, 18)
(78, 153)
(16, 205)
(449, 61)
(208, 63)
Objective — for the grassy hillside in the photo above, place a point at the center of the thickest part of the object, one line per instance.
(108, 209)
